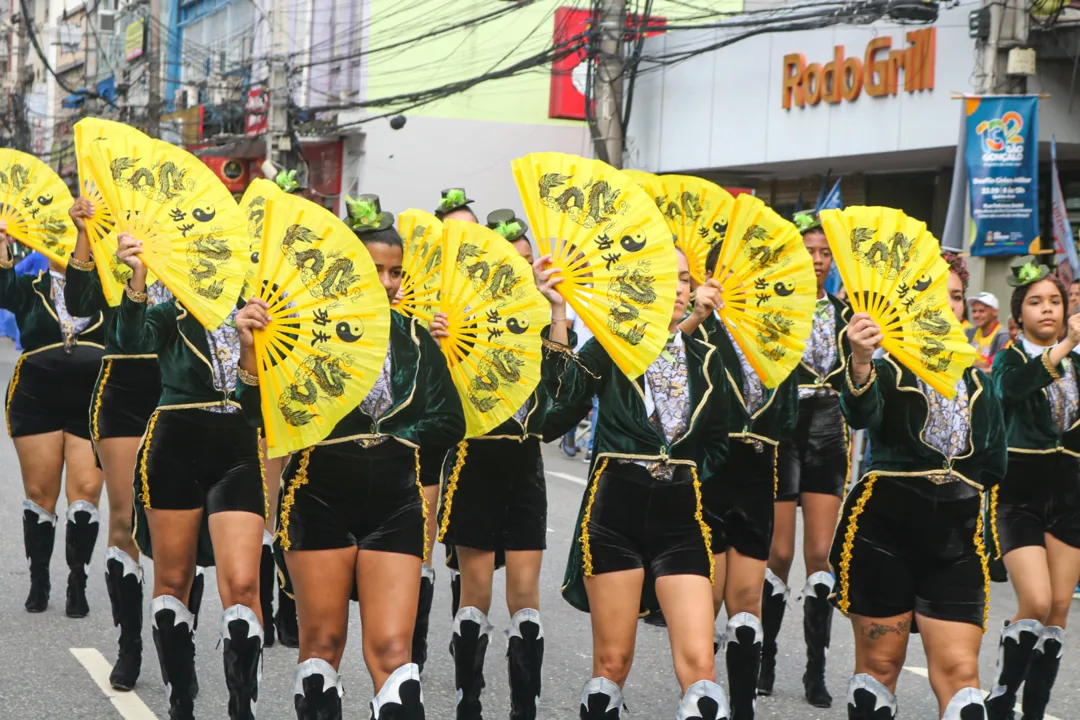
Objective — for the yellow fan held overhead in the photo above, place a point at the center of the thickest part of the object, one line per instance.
(194, 235)
(253, 205)
(769, 289)
(612, 246)
(494, 318)
(329, 325)
(893, 271)
(34, 202)
(697, 211)
(421, 233)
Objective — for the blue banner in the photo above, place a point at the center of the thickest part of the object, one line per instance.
(1002, 158)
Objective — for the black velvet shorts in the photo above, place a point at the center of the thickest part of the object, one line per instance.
(1040, 494)
(498, 500)
(906, 544)
(344, 495)
(738, 500)
(50, 392)
(636, 521)
(196, 459)
(125, 396)
(815, 458)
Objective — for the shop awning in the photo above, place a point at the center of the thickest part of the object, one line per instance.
(75, 99)
(107, 88)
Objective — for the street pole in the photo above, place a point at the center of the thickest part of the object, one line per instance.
(277, 90)
(609, 81)
(22, 86)
(153, 70)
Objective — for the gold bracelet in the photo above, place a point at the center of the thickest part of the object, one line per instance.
(133, 294)
(7, 264)
(78, 264)
(246, 377)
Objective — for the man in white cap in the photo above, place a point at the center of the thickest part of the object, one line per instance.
(987, 334)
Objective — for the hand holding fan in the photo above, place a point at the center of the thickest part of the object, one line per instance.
(193, 234)
(421, 233)
(329, 323)
(893, 271)
(494, 317)
(697, 211)
(769, 289)
(34, 202)
(614, 250)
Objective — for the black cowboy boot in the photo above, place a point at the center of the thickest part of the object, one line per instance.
(266, 588)
(401, 697)
(82, 532)
(525, 657)
(817, 629)
(423, 615)
(773, 604)
(39, 532)
(967, 704)
(867, 699)
(195, 597)
(455, 592)
(288, 631)
(1015, 645)
(175, 641)
(317, 691)
(744, 636)
(1042, 671)
(468, 645)
(124, 581)
(704, 700)
(242, 643)
(601, 699)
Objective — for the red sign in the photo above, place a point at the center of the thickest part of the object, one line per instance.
(233, 172)
(258, 109)
(567, 98)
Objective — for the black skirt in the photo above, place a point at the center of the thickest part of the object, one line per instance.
(125, 396)
(815, 458)
(50, 391)
(1040, 494)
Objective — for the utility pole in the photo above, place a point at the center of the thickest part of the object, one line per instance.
(277, 89)
(608, 88)
(23, 80)
(153, 70)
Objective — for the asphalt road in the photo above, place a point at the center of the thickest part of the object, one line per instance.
(50, 660)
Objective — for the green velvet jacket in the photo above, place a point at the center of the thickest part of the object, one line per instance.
(29, 299)
(169, 331)
(807, 377)
(1022, 383)
(84, 296)
(623, 430)
(894, 410)
(426, 410)
(774, 419)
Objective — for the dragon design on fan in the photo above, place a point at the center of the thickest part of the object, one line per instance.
(774, 327)
(334, 280)
(688, 206)
(591, 205)
(499, 365)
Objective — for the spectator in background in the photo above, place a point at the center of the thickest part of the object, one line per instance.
(1014, 330)
(987, 334)
(1074, 297)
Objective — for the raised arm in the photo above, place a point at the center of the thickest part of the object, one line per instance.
(82, 291)
(862, 399)
(140, 329)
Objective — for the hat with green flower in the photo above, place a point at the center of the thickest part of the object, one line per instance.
(286, 180)
(452, 199)
(806, 221)
(507, 224)
(1026, 270)
(365, 214)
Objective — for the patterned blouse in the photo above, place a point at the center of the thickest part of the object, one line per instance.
(224, 344)
(753, 390)
(948, 426)
(378, 401)
(523, 412)
(667, 387)
(159, 294)
(820, 353)
(70, 326)
(1062, 393)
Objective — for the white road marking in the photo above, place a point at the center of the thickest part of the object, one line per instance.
(923, 672)
(565, 476)
(128, 704)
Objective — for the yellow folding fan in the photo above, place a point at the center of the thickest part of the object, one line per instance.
(697, 211)
(421, 233)
(34, 202)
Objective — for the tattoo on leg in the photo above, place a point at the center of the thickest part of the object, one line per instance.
(877, 630)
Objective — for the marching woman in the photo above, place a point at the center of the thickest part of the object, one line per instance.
(812, 471)
(908, 552)
(1036, 511)
(197, 469)
(495, 502)
(46, 404)
(641, 527)
(352, 510)
(125, 396)
(738, 499)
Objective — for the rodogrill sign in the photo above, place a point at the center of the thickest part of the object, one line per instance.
(877, 72)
